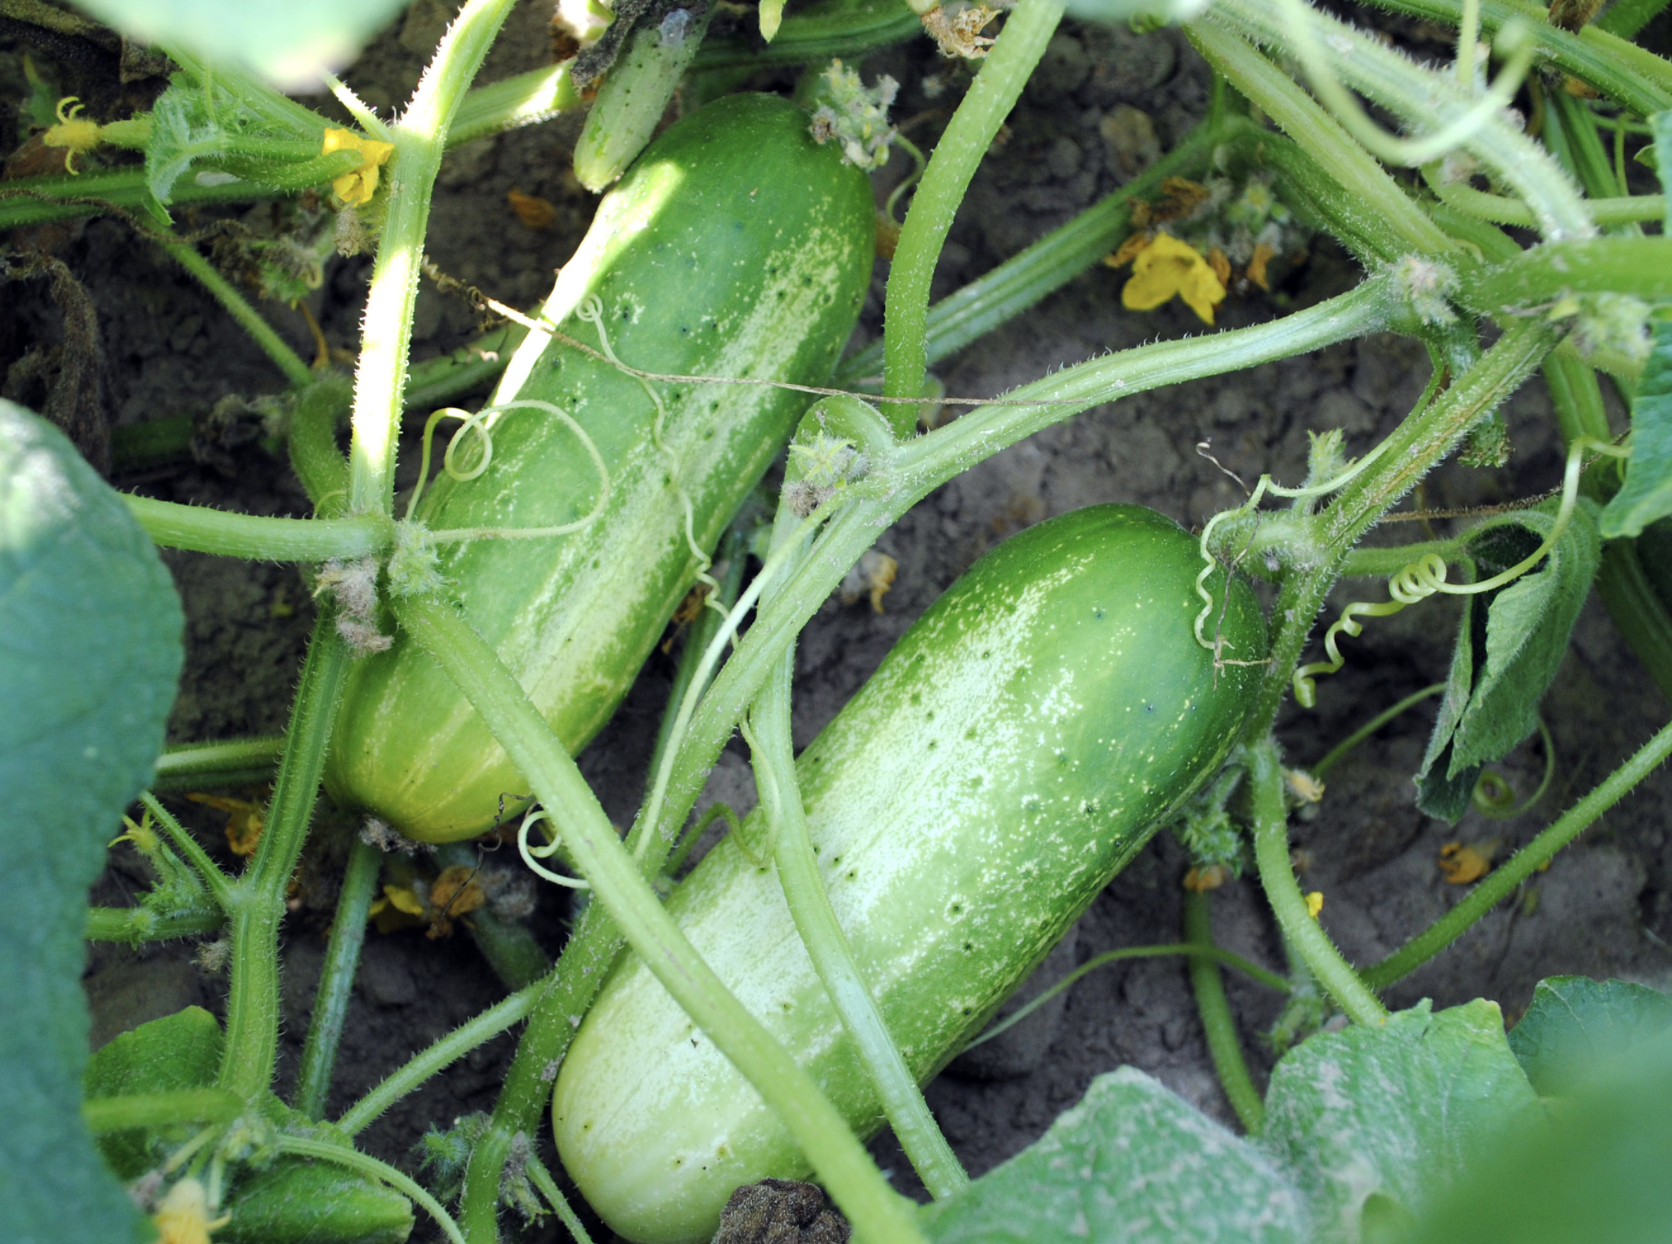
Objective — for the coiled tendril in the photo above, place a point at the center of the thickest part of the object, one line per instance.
(532, 855)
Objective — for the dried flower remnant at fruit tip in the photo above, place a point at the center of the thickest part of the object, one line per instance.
(855, 115)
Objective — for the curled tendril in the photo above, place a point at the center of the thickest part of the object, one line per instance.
(1426, 577)
(532, 855)
(480, 424)
(1494, 797)
(591, 311)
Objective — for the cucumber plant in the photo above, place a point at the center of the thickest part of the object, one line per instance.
(624, 435)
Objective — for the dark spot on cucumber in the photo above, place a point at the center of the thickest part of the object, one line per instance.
(957, 909)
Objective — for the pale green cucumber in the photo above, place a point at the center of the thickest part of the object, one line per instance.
(735, 247)
(1012, 753)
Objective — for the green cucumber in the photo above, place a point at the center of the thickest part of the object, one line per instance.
(734, 247)
(1015, 749)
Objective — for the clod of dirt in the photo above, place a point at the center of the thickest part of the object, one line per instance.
(780, 1211)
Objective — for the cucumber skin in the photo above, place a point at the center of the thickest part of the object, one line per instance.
(736, 246)
(1013, 752)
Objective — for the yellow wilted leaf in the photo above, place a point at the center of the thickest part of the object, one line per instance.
(1462, 865)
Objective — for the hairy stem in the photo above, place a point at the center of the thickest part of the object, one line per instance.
(962, 147)
(258, 907)
(1217, 1022)
(420, 139)
(221, 532)
(1499, 883)
(336, 978)
(1300, 928)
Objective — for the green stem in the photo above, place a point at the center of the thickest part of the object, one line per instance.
(1218, 954)
(411, 1075)
(815, 919)
(899, 480)
(154, 1110)
(1425, 99)
(312, 440)
(250, 1051)
(135, 925)
(1333, 757)
(814, 33)
(229, 763)
(220, 886)
(1499, 883)
(548, 1188)
(336, 978)
(1501, 211)
(558, 1004)
(876, 1211)
(1217, 1022)
(526, 99)
(275, 347)
(1620, 265)
(325, 1151)
(1050, 263)
(227, 534)
(1372, 194)
(420, 139)
(974, 125)
(1626, 17)
(1420, 442)
(1626, 73)
(1300, 928)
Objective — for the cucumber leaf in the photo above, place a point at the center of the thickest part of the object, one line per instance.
(289, 43)
(90, 649)
(1509, 648)
(1595, 1172)
(1647, 494)
(178, 1051)
(1375, 1123)
(1575, 1024)
(1131, 1162)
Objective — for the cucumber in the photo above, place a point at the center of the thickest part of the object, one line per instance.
(736, 247)
(1015, 749)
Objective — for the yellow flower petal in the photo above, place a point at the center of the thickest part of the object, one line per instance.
(1315, 903)
(183, 1217)
(358, 186)
(1168, 267)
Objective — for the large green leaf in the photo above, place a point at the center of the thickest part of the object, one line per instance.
(1596, 1172)
(1576, 1024)
(1507, 652)
(1132, 1162)
(89, 654)
(289, 42)
(1375, 1123)
(178, 1051)
(1647, 494)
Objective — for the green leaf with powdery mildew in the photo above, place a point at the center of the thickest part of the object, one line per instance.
(89, 653)
(290, 43)
(1373, 1123)
(1515, 646)
(1134, 1163)
(1647, 494)
(1576, 1024)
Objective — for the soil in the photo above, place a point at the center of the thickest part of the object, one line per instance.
(1604, 908)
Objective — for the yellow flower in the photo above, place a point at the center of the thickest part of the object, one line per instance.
(1167, 267)
(358, 186)
(72, 132)
(1315, 903)
(183, 1217)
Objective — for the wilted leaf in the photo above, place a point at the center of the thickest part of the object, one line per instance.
(1508, 651)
